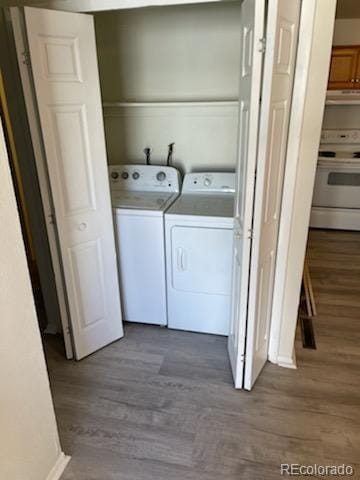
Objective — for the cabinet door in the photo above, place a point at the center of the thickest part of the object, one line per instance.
(343, 68)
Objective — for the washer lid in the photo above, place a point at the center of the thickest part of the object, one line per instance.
(215, 205)
(142, 200)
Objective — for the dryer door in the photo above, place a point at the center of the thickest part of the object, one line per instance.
(201, 260)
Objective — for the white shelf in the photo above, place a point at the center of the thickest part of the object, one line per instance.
(172, 104)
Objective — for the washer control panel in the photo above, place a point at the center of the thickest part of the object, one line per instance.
(214, 182)
(144, 178)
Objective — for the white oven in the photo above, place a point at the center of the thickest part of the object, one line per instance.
(336, 198)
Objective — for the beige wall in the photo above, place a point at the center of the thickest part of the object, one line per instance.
(189, 52)
(347, 32)
(29, 443)
(178, 54)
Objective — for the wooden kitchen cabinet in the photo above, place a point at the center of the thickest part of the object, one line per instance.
(345, 68)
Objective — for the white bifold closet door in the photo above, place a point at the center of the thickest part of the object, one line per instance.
(65, 71)
(266, 83)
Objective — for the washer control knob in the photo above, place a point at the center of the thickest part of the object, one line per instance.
(114, 175)
(124, 175)
(136, 175)
(207, 182)
(161, 176)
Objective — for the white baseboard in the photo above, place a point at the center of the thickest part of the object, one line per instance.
(287, 362)
(59, 467)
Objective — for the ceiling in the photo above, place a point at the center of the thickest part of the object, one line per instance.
(348, 9)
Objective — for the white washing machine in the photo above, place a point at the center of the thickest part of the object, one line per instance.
(199, 251)
(140, 195)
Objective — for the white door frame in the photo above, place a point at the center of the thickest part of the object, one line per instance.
(315, 42)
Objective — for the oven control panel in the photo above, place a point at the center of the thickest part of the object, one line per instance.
(340, 136)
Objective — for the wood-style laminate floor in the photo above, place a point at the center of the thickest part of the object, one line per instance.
(159, 404)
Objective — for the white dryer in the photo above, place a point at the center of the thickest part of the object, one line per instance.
(199, 244)
(140, 195)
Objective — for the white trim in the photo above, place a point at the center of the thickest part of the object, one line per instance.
(287, 362)
(41, 168)
(305, 129)
(300, 85)
(59, 467)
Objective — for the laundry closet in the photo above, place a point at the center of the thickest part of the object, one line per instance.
(170, 97)
(180, 87)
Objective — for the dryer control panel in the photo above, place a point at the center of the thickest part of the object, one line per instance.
(144, 178)
(209, 182)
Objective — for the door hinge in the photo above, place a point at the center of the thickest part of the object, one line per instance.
(52, 219)
(250, 233)
(262, 44)
(25, 57)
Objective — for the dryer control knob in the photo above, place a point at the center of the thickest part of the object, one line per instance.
(136, 175)
(124, 175)
(207, 182)
(161, 176)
